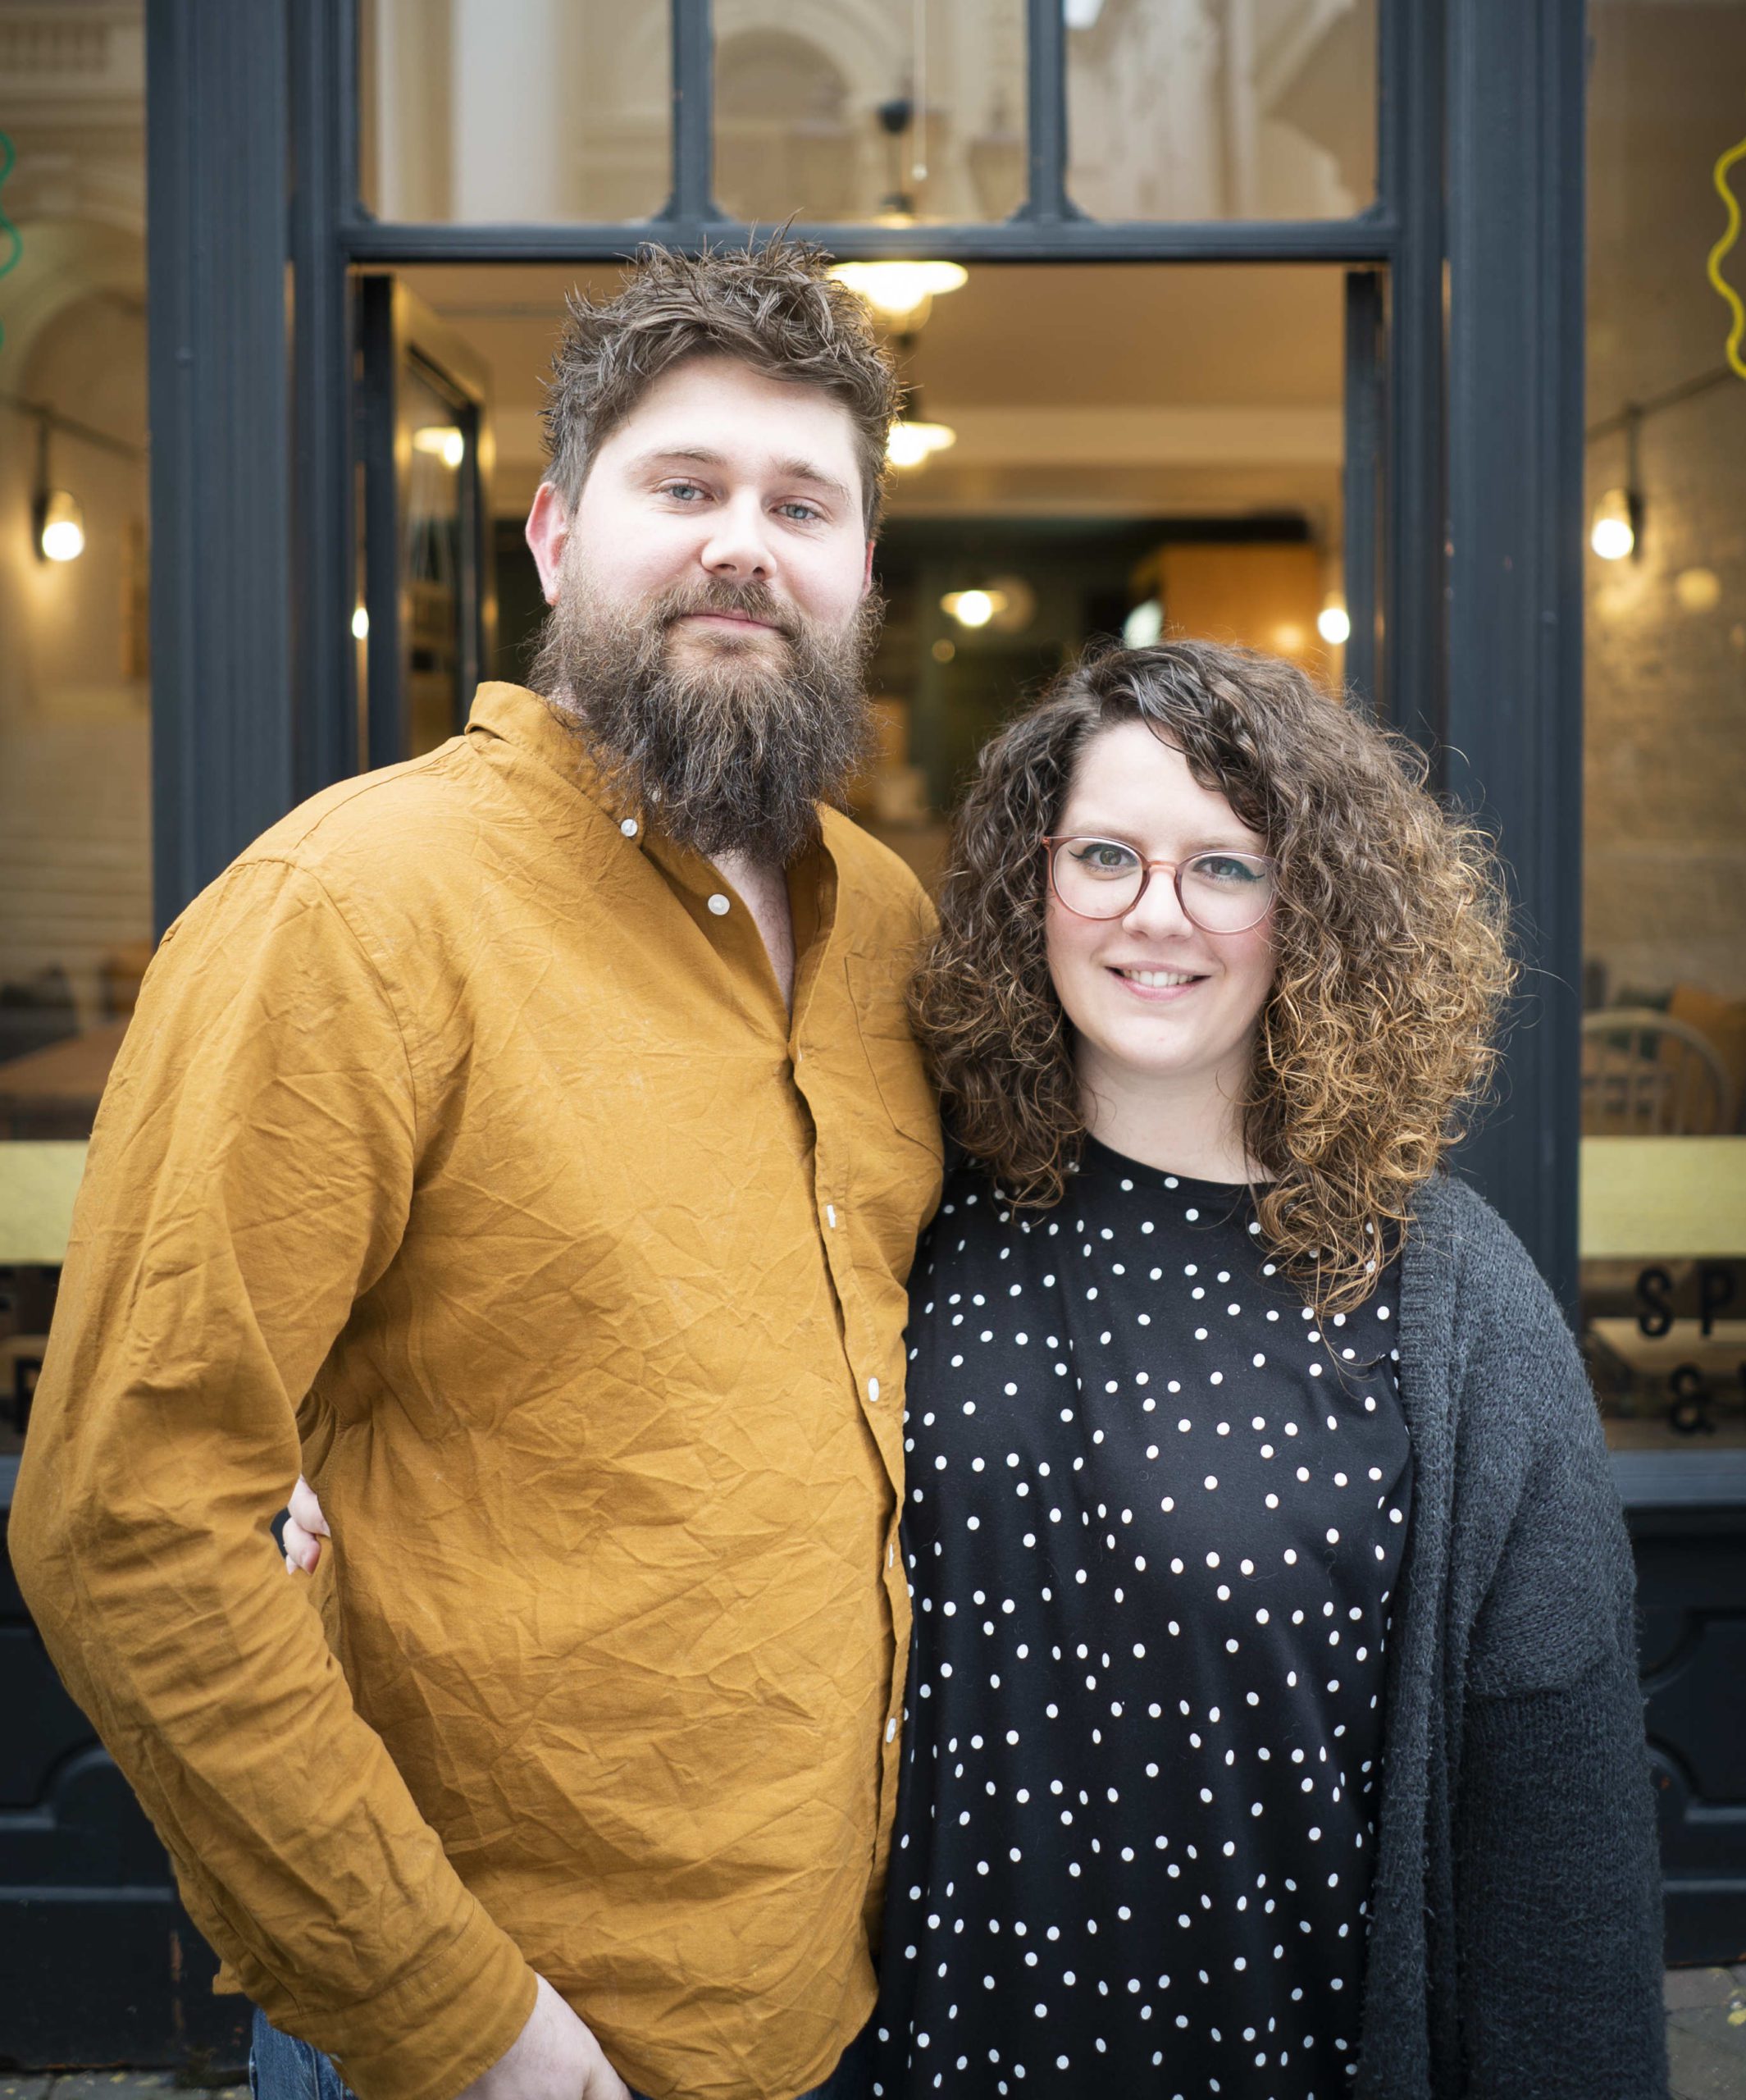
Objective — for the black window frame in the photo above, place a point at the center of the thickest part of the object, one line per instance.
(1474, 243)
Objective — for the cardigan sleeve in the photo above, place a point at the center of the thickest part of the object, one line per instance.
(1558, 1922)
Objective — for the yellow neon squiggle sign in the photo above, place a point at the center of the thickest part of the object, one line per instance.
(1724, 289)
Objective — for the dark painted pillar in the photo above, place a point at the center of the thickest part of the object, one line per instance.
(1512, 727)
(222, 720)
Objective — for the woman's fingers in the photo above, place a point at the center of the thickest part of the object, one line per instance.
(304, 1529)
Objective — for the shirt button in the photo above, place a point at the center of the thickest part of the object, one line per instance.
(872, 1389)
(718, 905)
(891, 1730)
(830, 1215)
(629, 826)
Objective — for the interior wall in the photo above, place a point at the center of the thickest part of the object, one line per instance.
(75, 689)
(75, 698)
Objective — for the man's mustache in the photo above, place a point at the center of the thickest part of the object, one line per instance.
(752, 601)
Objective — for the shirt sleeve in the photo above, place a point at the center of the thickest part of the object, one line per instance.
(249, 1179)
(1557, 1877)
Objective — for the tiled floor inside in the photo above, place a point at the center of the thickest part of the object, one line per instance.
(1706, 2051)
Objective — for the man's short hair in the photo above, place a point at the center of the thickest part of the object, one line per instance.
(774, 308)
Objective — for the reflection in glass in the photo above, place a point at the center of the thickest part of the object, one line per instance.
(1221, 109)
(889, 108)
(530, 111)
(1663, 1066)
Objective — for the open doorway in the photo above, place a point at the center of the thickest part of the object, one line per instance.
(1139, 448)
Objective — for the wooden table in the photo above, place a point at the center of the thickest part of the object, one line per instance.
(54, 1093)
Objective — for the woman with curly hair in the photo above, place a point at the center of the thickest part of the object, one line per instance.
(1272, 1722)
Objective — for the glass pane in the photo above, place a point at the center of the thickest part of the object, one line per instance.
(75, 879)
(1664, 1041)
(1221, 109)
(432, 558)
(896, 107)
(532, 111)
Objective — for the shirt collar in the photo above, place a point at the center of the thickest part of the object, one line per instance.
(529, 722)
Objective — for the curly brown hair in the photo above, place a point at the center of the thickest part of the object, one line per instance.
(773, 307)
(1388, 931)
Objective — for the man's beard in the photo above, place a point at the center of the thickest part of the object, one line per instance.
(726, 743)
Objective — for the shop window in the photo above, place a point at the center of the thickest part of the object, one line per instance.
(1663, 1075)
(1221, 109)
(895, 110)
(75, 884)
(526, 111)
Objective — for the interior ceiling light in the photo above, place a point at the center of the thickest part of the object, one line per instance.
(1613, 533)
(910, 443)
(60, 527)
(1332, 623)
(443, 440)
(974, 607)
(902, 294)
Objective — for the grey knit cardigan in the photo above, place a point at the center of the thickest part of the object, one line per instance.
(1516, 1934)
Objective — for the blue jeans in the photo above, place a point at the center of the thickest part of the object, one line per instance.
(282, 2069)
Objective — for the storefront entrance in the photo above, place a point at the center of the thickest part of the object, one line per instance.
(1267, 324)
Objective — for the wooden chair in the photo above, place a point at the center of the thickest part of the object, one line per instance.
(1645, 1074)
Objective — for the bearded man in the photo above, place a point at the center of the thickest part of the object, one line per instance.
(527, 1142)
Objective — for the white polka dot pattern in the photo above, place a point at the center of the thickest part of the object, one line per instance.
(1153, 1520)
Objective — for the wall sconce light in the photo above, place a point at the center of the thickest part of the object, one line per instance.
(1616, 530)
(442, 441)
(56, 521)
(1616, 527)
(60, 527)
(360, 624)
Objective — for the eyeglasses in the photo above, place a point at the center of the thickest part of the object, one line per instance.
(1102, 878)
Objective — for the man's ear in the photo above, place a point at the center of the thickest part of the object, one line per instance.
(867, 571)
(548, 528)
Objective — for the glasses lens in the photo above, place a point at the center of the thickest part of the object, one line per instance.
(1227, 893)
(1097, 878)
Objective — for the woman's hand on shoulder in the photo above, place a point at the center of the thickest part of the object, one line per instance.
(304, 1530)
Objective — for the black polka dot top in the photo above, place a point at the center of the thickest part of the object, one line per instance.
(1154, 1517)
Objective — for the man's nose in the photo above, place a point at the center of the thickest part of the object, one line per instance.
(738, 544)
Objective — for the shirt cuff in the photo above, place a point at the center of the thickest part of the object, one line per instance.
(434, 2032)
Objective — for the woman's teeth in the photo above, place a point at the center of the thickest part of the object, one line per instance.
(1156, 978)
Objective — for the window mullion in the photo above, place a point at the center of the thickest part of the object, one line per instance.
(692, 200)
(1046, 40)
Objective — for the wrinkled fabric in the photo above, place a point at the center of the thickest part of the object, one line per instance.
(462, 1153)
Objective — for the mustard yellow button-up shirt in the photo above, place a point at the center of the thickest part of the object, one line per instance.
(463, 1152)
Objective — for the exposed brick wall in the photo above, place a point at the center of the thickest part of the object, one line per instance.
(1665, 772)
